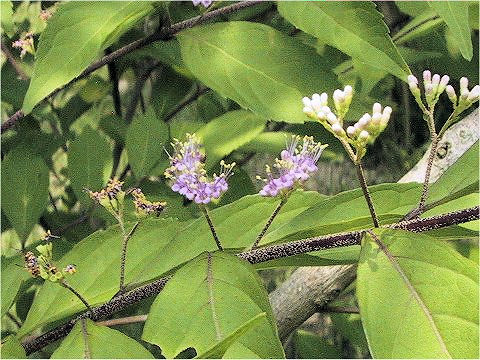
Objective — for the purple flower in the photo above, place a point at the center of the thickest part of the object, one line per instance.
(205, 3)
(296, 164)
(188, 174)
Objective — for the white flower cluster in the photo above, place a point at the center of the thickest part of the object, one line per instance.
(467, 97)
(205, 3)
(364, 130)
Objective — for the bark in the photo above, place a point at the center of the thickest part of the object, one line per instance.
(298, 297)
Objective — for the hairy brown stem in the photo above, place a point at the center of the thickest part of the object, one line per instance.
(211, 226)
(80, 297)
(163, 34)
(123, 259)
(253, 256)
(366, 193)
(269, 221)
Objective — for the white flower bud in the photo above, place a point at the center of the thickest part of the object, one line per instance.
(351, 131)
(326, 110)
(463, 84)
(387, 110)
(337, 129)
(412, 79)
(428, 89)
(363, 135)
(464, 93)
(435, 80)
(357, 127)
(321, 115)
(316, 97)
(348, 91)
(306, 101)
(377, 108)
(332, 119)
(324, 99)
(376, 118)
(444, 81)
(364, 120)
(451, 94)
(427, 76)
(308, 110)
(413, 87)
(474, 93)
(316, 104)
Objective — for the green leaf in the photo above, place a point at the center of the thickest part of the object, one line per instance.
(418, 298)
(98, 256)
(228, 132)
(455, 15)
(218, 350)
(214, 294)
(418, 26)
(348, 211)
(12, 349)
(312, 346)
(257, 66)
(147, 137)
(97, 259)
(6, 18)
(24, 189)
(89, 163)
(460, 179)
(13, 275)
(74, 37)
(354, 27)
(103, 343)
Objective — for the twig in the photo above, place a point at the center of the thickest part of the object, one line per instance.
(200, 91)
(80, 297)
(211, 226)
(11, 59)
(366, 193)
(123, 260)
(270, 220)
(254, 256)
(123, 321)
(163, 34)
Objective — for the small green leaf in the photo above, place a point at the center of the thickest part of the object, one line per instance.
(73, 38)
(100, 343)
(418, 297)
(147, 138)
(13, 275)
(12, 349)
(354, 27)
(228, 132)
(455, 15)
(215, 294)
(257, 66)
(24, 189)
(89, 163)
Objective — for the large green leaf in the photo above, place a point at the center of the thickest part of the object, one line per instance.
(228, 132)
(354, 27)
(101, 342)
(147, 137)
(418, 298)
(98, 256)
(89, 162)
(348, 211)
(6, 18)
(257, 66)
(455, 15)
(24, 189)
(74, 37)
(12, 349)
(214, 295)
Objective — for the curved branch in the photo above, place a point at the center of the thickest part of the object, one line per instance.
(256, 256)
(165, 33)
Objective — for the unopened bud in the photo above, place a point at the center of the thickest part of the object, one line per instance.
(363, 135)
(351, 131)
(412, 79)
(428, 89)
(364, 120)
(316, 103)
(376, 118)
(474, 93)
(463, 84)
(338, 130)
(435, 80)
(427, 76)
(451, 94)
(324, 99)
(307, 102)
(377, 108)
(348, 91)
(444, 81)
(332, 119)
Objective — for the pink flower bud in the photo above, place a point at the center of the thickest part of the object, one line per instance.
(412, 79)
(427, 76)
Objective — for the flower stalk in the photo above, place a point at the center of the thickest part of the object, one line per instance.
(211, 226)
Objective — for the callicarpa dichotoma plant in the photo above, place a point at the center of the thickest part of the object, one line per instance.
(245, 179)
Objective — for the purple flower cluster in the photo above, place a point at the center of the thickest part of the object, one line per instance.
(296, 164)
(188, 174)
(205, 3)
